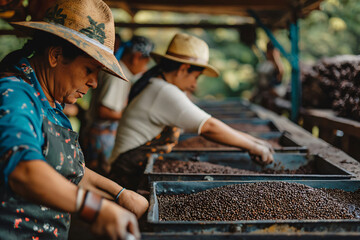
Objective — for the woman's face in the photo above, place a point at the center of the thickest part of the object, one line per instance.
(187, 81)
(74, 79)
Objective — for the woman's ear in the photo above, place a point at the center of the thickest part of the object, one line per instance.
(54, 54)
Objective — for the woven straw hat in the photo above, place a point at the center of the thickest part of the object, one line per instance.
(88, 24)
(185, 48)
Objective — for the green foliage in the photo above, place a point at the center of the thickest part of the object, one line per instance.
(9, 43)
(332, 30)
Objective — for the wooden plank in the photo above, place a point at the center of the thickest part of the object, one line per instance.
(245, 4)
(330, 120)
(182, 26)
(315, 145)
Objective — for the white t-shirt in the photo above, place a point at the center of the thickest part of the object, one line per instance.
(159, 105)
(116, 94)
(111, 92)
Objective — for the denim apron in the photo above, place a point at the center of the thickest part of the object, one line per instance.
(26, 220)
(98, 145)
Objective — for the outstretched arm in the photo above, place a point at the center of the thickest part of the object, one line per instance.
(218, 131)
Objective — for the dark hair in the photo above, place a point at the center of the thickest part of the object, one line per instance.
(139, 44)
(167, 65)
(270, 46)
(164, 66)
(37, 46)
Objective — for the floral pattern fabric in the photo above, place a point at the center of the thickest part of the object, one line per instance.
(30, 129)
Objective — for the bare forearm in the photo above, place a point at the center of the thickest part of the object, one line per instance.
(218, 131)
(109, 189)
(37, 181)
(99, 184)
(108, 114)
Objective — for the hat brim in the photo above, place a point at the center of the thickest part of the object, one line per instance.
(101, 54)
(208, 71)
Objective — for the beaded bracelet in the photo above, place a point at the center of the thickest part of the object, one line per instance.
(118, 195)
(90, 207)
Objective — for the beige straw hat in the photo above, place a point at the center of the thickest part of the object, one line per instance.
(88, 24)
(188, 49)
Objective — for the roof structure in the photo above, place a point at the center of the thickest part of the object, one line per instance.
(274, 13)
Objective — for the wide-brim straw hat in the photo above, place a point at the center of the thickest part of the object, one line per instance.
(188, 49)
(88, 24)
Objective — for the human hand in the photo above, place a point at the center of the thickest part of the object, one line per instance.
(265, 143)
(261, 154)
(133, 202)
(115, 222)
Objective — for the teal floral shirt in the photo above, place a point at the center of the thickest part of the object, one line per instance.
(30, 129)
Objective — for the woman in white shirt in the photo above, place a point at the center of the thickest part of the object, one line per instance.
(158, 107)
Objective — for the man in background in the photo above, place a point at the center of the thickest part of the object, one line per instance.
(108, 101)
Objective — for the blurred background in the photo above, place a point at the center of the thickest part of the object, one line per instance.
(332, 30)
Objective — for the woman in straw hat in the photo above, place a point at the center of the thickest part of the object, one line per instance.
(158, 106)
(43, 175)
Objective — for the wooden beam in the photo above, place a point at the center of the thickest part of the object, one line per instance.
(121, 4)
(11, 32)
(255, 4)
(180, 25)
(192, 9)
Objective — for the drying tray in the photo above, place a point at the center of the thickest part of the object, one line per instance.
(241, 160)
(246, 226)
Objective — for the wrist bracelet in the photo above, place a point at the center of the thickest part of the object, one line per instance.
(90, 207)
(79, 198)
(118, 195)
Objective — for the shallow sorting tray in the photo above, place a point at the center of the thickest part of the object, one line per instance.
(252, 226)
(226, 109)
(287, 144)
(223, 115)
(252, 236)
(252, 123)
(241, 160)
(237, 103)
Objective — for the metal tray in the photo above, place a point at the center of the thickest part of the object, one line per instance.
(216, 109)
(224, 103)
(255, 226)
(252, 236)
(223, 115)
(284, 139)
(251, 121)
(241, 160)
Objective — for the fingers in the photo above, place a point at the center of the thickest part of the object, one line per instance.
(264, 153)
(128, 228)
(116, 222)
(133, 228)
(268, 158)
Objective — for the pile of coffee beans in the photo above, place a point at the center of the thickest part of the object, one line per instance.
(201, 142)
(260, 201)
(309, 168)
(178, 166)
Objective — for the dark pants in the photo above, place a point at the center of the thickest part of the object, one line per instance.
(127, 170)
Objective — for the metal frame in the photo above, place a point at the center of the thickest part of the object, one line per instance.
(292, 57)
